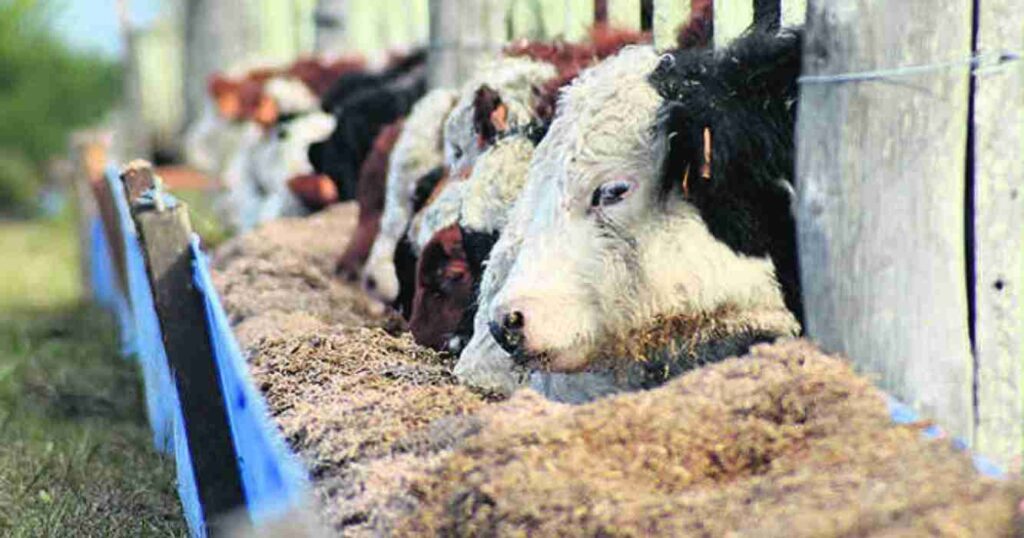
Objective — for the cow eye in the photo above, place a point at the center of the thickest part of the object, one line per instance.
(457, 152)
(612, 193)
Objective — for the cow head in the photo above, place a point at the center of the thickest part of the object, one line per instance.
(444, 288)
(497, 99)
(617, 252)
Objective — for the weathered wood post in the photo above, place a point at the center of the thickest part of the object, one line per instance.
(624, 13)
(331, 21)
(998, 183)
(462, 32)
(668, 16)
(880, 197)
(85, 204)
(218, 35)
(731, 18)
(165, 233)
(600, 11)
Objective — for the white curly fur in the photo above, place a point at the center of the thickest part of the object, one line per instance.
(514, 79)
(577, 288)
(584, 276)
(255, 187)
(291, 95)
(416, 152)
(442, 212)
(495, 183)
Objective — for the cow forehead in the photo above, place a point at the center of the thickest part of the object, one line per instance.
(604, 126)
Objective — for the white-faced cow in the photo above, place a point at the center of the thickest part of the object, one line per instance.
(652, 243)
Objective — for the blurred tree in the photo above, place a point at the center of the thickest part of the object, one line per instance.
(46, 90)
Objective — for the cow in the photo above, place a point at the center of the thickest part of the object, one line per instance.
(415, 159)
(646, 252)
(446, 285)
(355, 81)
(360, 117)
(319, 75)
(497, 99)
(370, 196)
(496, 180)
(211, 139)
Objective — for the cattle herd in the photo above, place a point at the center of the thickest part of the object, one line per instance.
(585, 218)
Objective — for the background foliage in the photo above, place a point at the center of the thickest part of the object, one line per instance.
(47, 89)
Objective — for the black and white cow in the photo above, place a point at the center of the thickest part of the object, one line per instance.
(655, 232)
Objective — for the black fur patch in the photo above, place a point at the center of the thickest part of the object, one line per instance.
(477, 246)
(746, 96)
(425, 185)
(360, 118)
(349, 84)
(485, 102)
(405, 270)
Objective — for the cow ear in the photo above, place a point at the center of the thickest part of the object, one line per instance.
(685, 169)
(490, 115)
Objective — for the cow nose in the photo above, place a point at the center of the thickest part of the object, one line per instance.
(371, 284)
(508, 332)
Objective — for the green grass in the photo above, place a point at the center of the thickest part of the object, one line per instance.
(76, 456)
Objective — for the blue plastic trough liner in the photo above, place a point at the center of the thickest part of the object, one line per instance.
(273, 480)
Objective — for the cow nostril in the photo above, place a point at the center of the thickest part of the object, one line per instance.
(509, 332)
(513, 321)
(371, 284)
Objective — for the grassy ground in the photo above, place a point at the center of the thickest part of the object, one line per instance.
(75, 455)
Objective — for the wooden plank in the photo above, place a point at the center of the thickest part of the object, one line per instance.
(624, 14)
(647, 15)
(600, 11)
(463, 32)
(880, 199)
(165, 236)
(669, 15)
(999, 237)
(732, 17)
(794, 12)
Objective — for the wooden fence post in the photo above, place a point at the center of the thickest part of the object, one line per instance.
(624, 14)
(165, 233)
(331, 22)
(999, 236)
(461, 33)
(731, 17)
(600, 11)
(794, 12)
(880, 198)
(668, 16)
(85, 207)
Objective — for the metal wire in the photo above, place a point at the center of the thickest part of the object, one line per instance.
(979, 63)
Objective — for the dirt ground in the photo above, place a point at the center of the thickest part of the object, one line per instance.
(783, 442)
